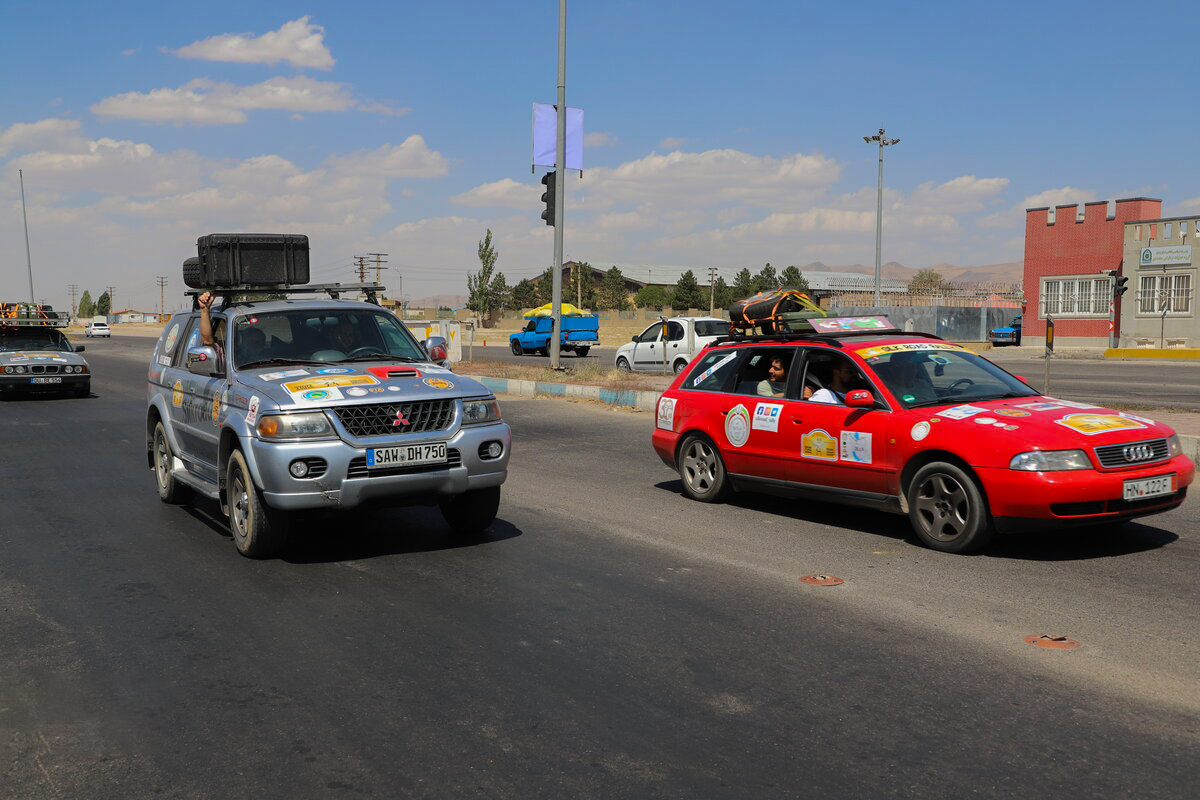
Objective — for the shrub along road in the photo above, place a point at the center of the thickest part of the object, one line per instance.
(607, 638)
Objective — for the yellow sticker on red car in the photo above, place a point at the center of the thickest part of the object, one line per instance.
(819, 444)
(908, 347)
(1089, 424)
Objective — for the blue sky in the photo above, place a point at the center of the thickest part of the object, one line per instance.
(720, 134)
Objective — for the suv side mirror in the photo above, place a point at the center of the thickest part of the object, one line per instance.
(860, 398)
(202, 361)
(435, 348)
(78, 348)
(634, 338)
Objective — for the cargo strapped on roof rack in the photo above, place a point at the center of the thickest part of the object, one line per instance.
(234, 295)
(28, 315)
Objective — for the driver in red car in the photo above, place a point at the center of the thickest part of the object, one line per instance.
(841, 381)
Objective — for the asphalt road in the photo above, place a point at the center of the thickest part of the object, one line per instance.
(607, 639)
(1138, 383)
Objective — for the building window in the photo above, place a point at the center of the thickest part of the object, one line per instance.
(1137, 233)
(1167, 230)
(1075, 297)
(1170, 293)
(1183, 229)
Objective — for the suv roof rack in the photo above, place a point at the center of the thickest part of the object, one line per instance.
(27, 317)
(824, 338)
(233, 295)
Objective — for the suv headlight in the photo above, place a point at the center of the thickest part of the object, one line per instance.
(310, 425)
(1174, 448)
(1050, 461)
(476, 412)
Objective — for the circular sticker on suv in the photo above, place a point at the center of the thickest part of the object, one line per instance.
(316, 394)
(737, 426)
(333, 371)
(920, 431)
(438, 383)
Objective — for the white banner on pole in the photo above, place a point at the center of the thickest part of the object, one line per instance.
(545, 131)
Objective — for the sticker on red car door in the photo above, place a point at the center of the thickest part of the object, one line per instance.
(856, 447)
(820, 445)
(766, 417)
(737, 425)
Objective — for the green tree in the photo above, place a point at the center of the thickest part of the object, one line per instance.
(612, 293)
(651, 297)
(793, 278)
(766, 280)
(581, 292)
(500, 292)
(524, 294)
(103, 305)
(86, 307)
(479, 284)
(687, 293)
(926, 280)
(545, 287)
(723, 295)
(743, 284)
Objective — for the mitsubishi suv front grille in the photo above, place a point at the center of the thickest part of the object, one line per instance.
(1132, 454)
(386, 419)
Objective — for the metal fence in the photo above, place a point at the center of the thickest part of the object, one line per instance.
(859, 294)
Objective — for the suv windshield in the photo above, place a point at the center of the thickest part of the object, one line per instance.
(33, 339)
(338, 334)
(935, 376)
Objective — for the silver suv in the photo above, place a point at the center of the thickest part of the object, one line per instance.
(312, 404)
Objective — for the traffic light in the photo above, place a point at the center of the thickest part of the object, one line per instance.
(1119, 287)
(548, 197)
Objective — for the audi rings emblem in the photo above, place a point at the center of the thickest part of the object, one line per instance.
(1138, 452)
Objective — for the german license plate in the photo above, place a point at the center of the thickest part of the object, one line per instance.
(407, 455)
(45, 380)
(1149, 487)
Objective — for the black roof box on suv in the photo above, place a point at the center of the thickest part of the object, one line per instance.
(240, 259)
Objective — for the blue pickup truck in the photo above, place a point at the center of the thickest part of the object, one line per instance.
(1009, 334)
(579, 334)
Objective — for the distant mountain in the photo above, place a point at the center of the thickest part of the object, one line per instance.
(439, 300)
(1011, 272)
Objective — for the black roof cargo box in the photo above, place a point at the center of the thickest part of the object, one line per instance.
(240, 259)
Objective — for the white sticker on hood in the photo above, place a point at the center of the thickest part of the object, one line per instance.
(252, 411)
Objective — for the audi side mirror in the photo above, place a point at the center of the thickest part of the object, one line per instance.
(634, 338)
(860, 398)
(78, 348)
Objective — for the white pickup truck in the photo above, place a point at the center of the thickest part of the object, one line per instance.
(685, 336)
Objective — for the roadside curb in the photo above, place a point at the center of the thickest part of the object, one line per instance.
(1156, 352)
(642, 400)
(1191, 447)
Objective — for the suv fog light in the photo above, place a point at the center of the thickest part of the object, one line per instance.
(495, 449)
(298, 469)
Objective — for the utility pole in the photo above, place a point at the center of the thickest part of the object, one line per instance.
(25, 220)
(73, 290)
(378, 261)
(162, 283)
(712, 290)
(883, 142)
(560, 182)
(361, 263)
(112, 290)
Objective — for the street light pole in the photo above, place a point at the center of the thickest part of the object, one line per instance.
(25, 221)
(883, 142)
(560, 180)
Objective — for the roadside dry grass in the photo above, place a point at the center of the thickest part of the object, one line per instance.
(586, 374)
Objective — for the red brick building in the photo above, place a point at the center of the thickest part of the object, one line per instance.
(1065, 256)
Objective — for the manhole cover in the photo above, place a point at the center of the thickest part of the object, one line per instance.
(1051, 642)
(821, 580)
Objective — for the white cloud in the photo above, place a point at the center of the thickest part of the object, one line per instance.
(671, 143)
(599, 139)
(129, 52)
(1015, 216)
(298, 42)
(1191, 205)
(53, 133)
(505, 193)
(205, 102)
(963, 194)
(412, 158)
(109, 166)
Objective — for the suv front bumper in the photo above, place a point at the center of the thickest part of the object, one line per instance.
(346, 482)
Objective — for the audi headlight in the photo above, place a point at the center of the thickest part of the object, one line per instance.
(477, 412)
(1050, 461)
(311, 425)
(1174, 448)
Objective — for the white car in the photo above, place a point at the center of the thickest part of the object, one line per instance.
(686, 336)
(97, 329)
